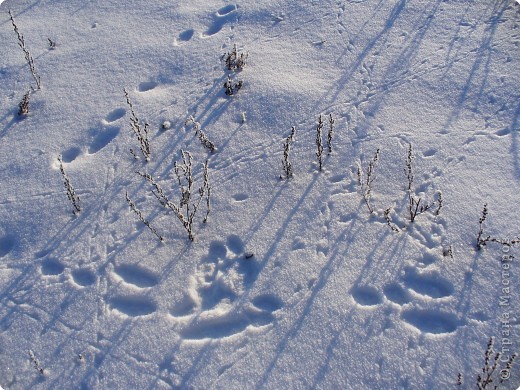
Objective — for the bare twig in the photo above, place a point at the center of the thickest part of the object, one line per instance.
(329, 134)
(319, 143)
(482, 239)
(232, 87)
(187, 207)
(139, 214)
(366, 179)
(286, 164)
(140, 132)
(492, 362)
(203, 138)
(71, 193)
(417, 205)
(235, 61)
(389, 222)
(35, 362)
(23, 106)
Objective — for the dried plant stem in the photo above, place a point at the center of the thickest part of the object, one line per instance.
(139, 214)
(141, 133)
(203, 138)
(366, 179)
(187, 208)
(482, 239)
(286, 163)
(71, 193)
(417, 205)
(329, 134)
(319, 143)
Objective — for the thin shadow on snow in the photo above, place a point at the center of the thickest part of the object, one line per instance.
(334, 263)
(343, 82)
(480, 69)
(13, 114)
(9, 5)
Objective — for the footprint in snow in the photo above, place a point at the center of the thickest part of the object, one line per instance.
(83, 277)
(240, 197)
(136, 280)
(146, 86)
(213, 308)
(184, 37)
(6, 245)
(70, 154)
(428, 286)
(220, 18)
(366, 296)
(52, 267)
(114, 115)
(136, 276)
(102, 138)
(133, 305)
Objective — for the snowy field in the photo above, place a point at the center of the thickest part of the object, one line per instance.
(300, 278)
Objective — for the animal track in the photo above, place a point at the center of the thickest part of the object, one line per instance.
(337, 178)
(146, 86)
(83, 277)
(396, 293)
(240, 197)
(69, 155)
(213, 306)
(503, 132)
(184, 36)
(136, 275)
(431, 321)
(432, 285)
(221, 17)
(134, 305)
(366, 295)
(235, 244)
(6, 245)
(115, 115)
(430, 152)
(102, 139)
(226, 325)
(52, 267)
(268, 303)
(185, 307)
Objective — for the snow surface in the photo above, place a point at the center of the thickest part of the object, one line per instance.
(332, 297)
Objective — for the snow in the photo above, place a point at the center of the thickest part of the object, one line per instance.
(290, 283)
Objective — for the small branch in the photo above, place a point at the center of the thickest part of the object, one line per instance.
(203, 138)
(36, 363)
(207, 190)
(389, 222)
(137, 212)
(417, 205)
(286, 164)
(235, 61)
(366, 179)
(319, 143)
(140, 132)
(71, 193)
(187, 207)
(329, 135)
(232, 87)
(23, 106)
